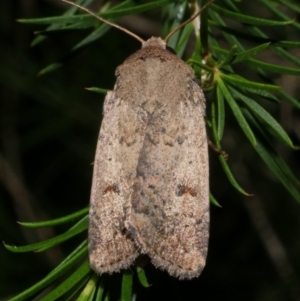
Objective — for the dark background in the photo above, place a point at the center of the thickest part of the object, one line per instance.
(48, 131)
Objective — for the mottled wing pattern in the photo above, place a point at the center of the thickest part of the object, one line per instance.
(150, 191)
(180, 244)
(170, 200)
(110, 247)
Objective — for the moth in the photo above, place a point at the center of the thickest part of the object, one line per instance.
(150, 190)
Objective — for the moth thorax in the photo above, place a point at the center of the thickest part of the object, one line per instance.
(154, 42)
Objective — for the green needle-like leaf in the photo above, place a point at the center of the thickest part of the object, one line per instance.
(221, 157)
(41, 246)
(59, 221)
(201, 65)
(214, 201)
(97, 90)
(174, 14)
(261, 113)
(269, 156)
(96, 34)
(50, 68)
(142, 277)
(184, 37)
(220, 114)
(242, 35)
(287, 44)
(278, 13)
(230, 176)
(126, 292)
(274, 68)
(232, 40)
(100, 289)
(262, 93)
(247, 54)
(73, 293)
(292, 6)
(247, 19)
(237, 112)
(73, 258)
(271, 163)
(89, 289)
(70, 257)
(229, 58)
(53, 27)
(239, 81)
(293, 101)
(112, 13)
(100, 31)
(80, 274)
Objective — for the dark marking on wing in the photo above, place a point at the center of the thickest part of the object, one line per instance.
(184, 189)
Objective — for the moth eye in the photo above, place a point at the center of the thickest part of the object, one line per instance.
(171, 50)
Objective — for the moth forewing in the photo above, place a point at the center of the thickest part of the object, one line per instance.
(150, 184)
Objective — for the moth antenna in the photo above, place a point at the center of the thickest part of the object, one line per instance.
(187, 21)
(105, 21)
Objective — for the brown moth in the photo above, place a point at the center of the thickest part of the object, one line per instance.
(150, 190)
